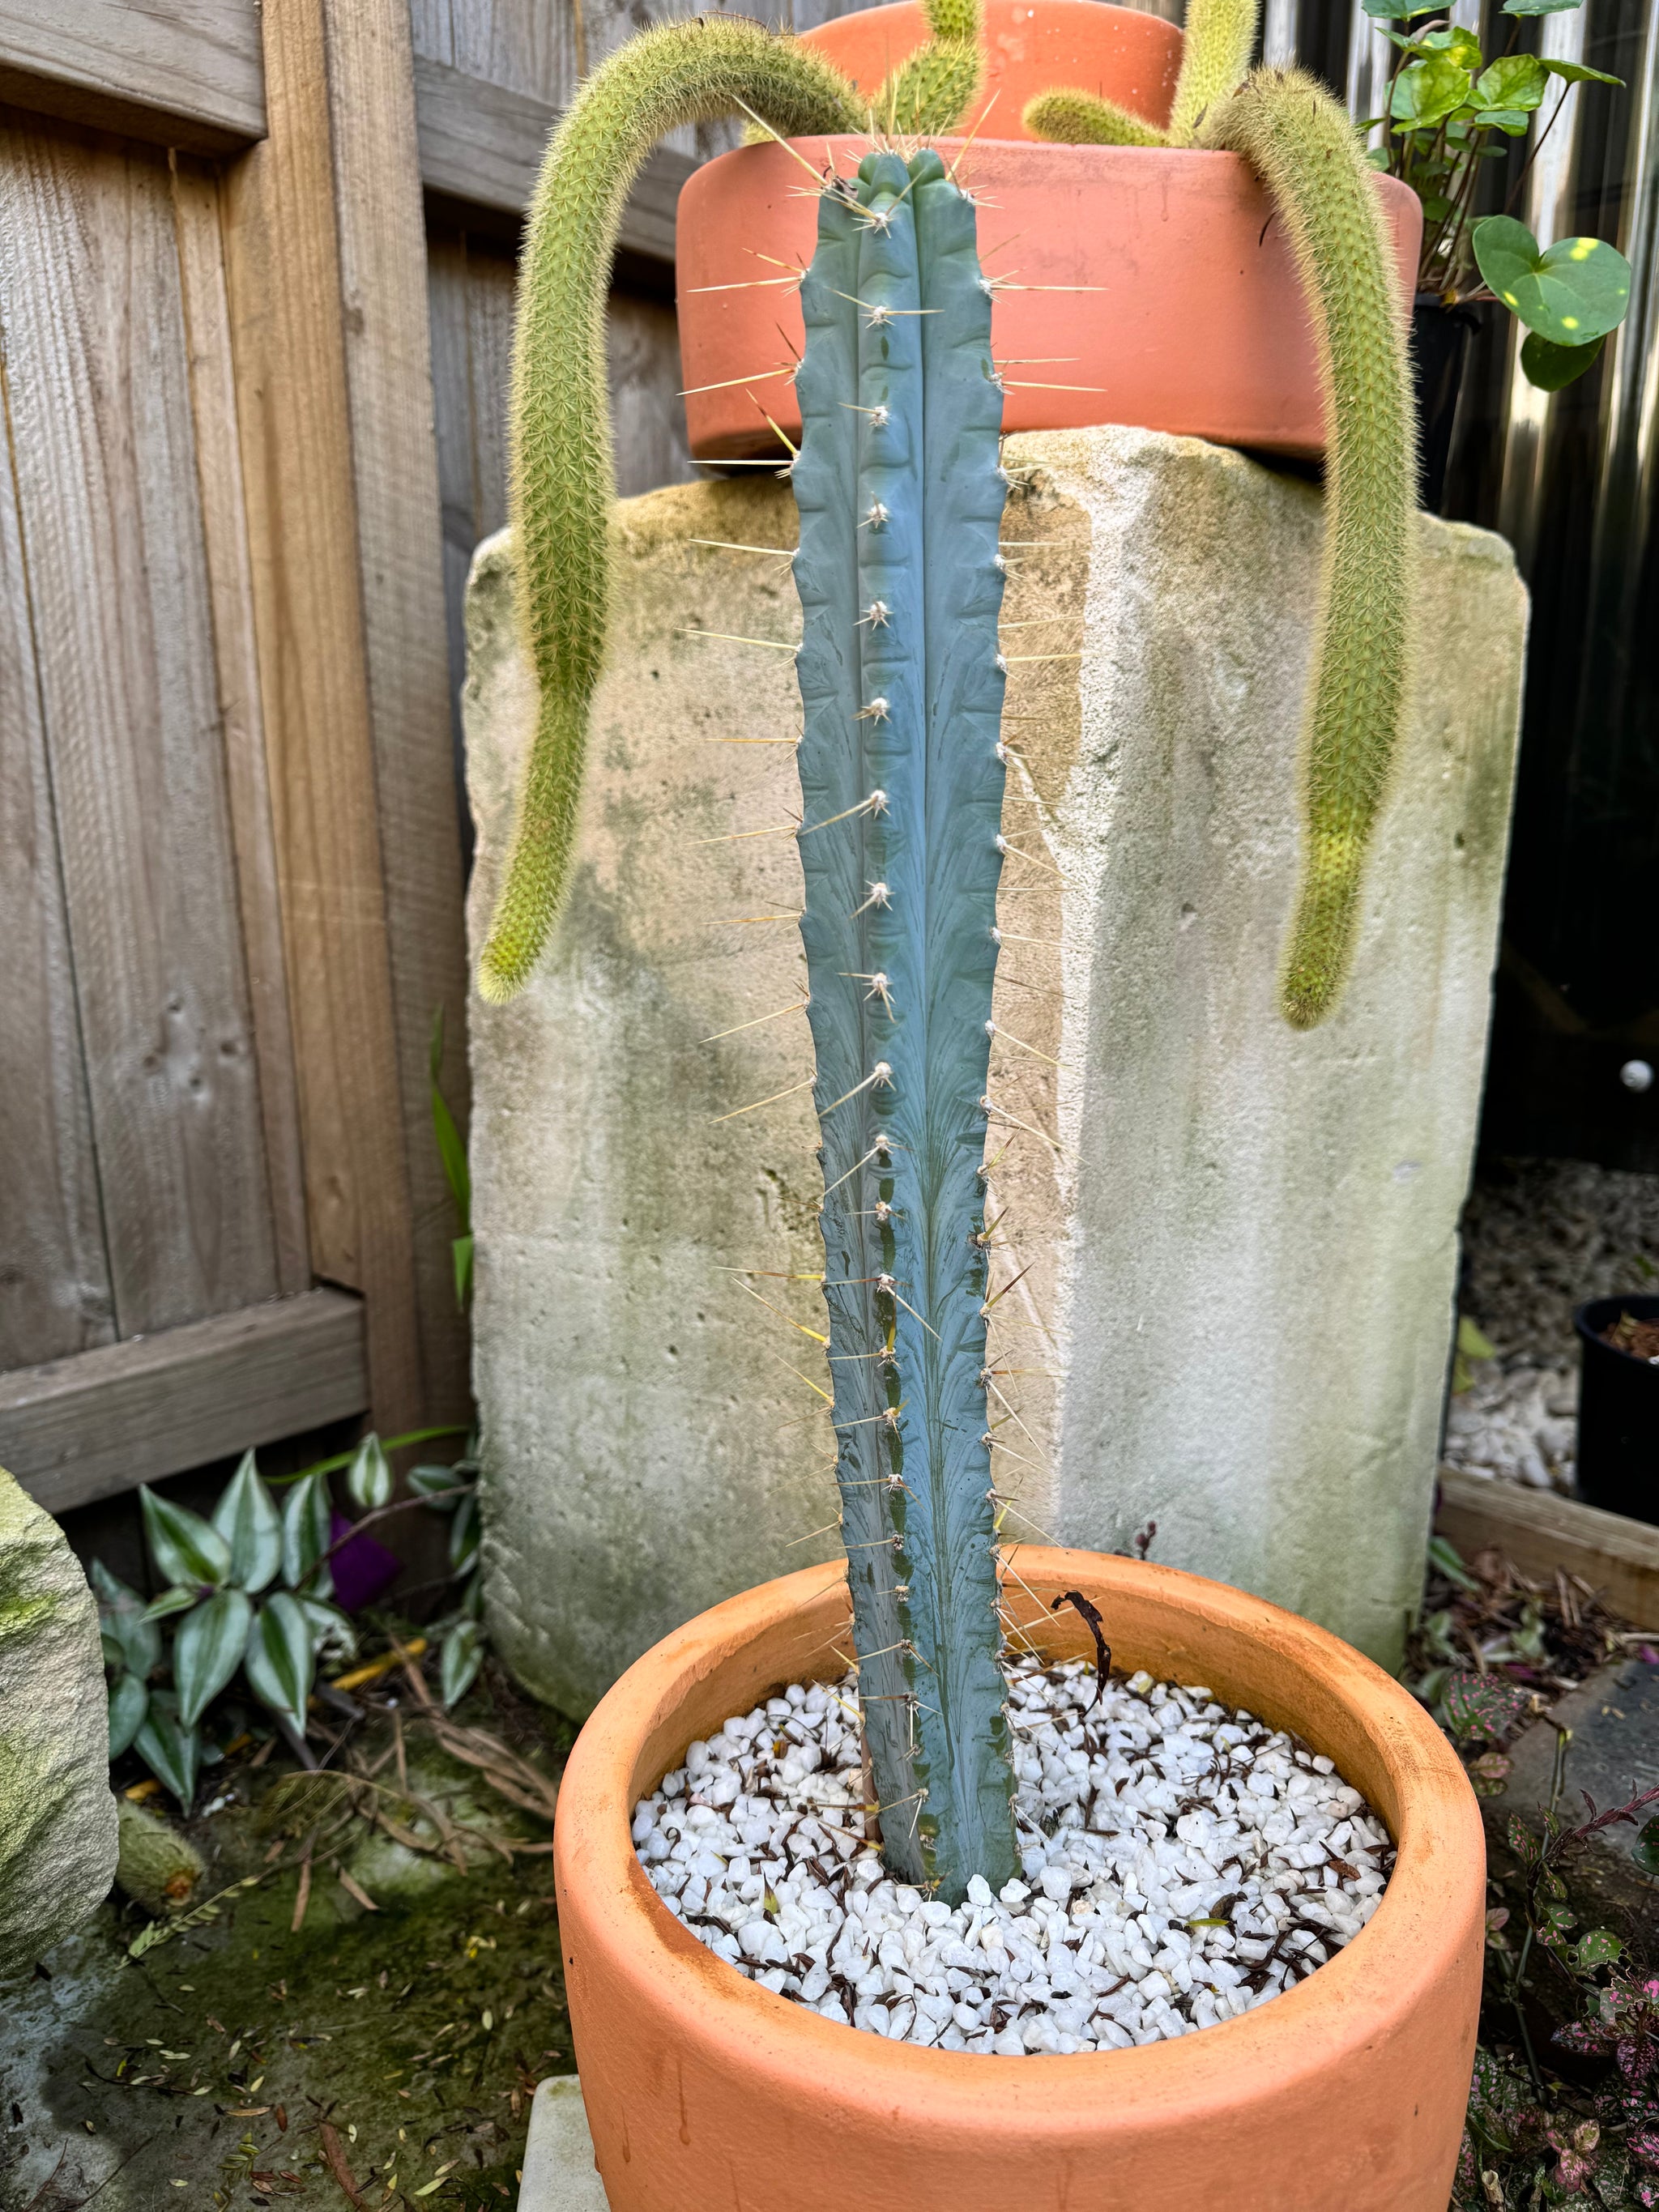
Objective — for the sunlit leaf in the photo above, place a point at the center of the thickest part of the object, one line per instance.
(246, 1517)
(171, 1751)
(280, 1660)
(463, 1656)
(1463, 46)
(1580, 73)
(307, 1516)
(1516, 82)
(208, 1650)
(128, 1700)
(1426, 92)
(185, 1547)
(1552, 368)
(369, 1478)
(1571, 292)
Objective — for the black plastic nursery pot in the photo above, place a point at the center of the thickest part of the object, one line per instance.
(1439, 351)
(1618, 1413)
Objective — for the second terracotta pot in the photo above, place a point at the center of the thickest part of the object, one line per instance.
(706, 2093)
(1135, 285)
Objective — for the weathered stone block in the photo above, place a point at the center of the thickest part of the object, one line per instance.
(1239, 1242)
(57, 1812)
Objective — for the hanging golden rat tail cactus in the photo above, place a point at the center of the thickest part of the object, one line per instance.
(1303, 147)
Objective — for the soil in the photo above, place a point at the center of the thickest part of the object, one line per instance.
(1639, 1338)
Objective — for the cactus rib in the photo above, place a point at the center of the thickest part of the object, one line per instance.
(1303, 145)
(561, 483)
(900, 496)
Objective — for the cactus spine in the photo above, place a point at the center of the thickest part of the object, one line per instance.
(900, 496)
(1303, 147)
(561, 490)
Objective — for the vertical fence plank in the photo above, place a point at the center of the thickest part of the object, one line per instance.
(108, 502)
(54, 1278)
(383, 274)
(287, 321)
(224, 528)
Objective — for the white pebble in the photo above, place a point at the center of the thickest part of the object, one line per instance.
(1168, 1850)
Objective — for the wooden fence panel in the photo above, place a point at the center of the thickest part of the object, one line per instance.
(54, 1278)
(103, 450)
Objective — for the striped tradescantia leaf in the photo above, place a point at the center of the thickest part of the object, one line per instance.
(305, 1519)
(246, 1517)
(171, 1751)
(186, 1548)
(208, 1650)
(130, 1637)
(280, 1658)
(129, 1701)
(369, 1478)
(463, 1656)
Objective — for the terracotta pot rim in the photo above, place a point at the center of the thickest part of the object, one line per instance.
(1388, 1969)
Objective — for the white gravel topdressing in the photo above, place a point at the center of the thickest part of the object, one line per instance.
(1181, 1862)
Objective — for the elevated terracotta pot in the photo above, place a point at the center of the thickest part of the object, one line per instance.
(707, 2094)
(1178, 305)
(1123, 55)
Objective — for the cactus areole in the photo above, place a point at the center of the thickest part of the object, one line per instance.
(901, 492)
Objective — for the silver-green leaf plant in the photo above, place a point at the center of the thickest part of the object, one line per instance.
(900, 490)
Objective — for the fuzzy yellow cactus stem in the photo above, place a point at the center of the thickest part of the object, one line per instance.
(1215, 53)
(561, 485)
(1303, 145)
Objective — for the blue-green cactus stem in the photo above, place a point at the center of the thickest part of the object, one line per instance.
(900, 497)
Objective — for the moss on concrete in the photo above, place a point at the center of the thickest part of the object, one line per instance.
(205, 2072)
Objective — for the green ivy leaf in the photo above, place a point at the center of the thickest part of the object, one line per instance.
(1578, 73)
(369, 1478)
(1539, 7)
(1510, 121)
(246, 1517)
(1426, 92)
(463, 1656)
(171, 1751)
(185, 1547)
(1575, 290)
(1397, 10)
(208, 1650)
(1516, 82)
(1552, 368)
(129, 1701)
(306, 1517)
(280, 1660)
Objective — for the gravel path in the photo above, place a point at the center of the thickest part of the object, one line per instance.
(1182, 1862)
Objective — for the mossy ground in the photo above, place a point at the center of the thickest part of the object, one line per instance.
(380, 2058)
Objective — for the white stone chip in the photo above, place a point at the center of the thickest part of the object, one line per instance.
(1179, 1866)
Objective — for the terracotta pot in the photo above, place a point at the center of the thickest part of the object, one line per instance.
(706, 2093)
(1178, 307)
(1122, 54)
